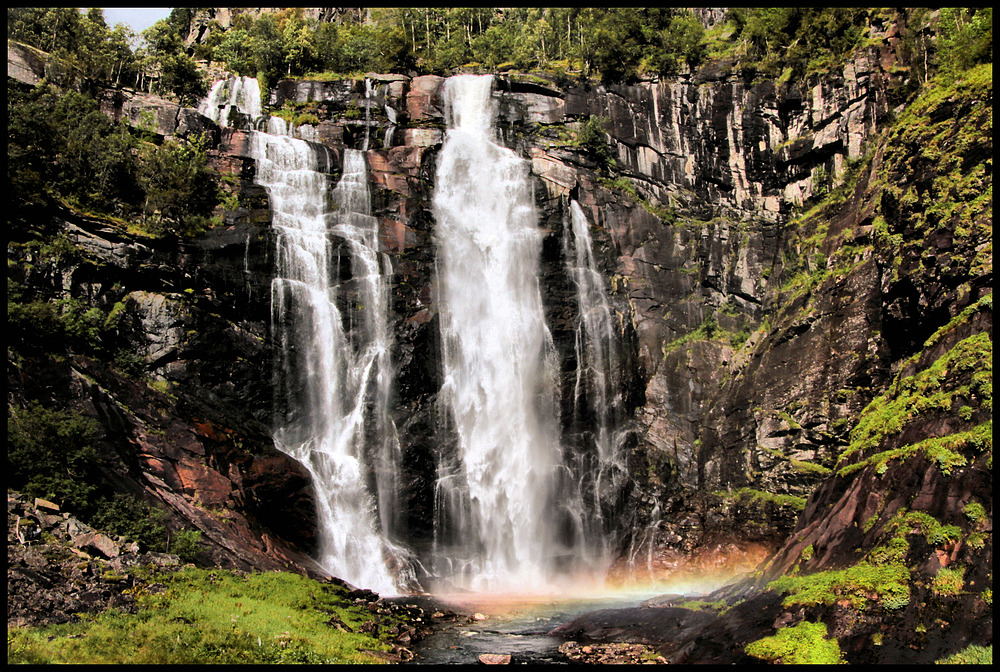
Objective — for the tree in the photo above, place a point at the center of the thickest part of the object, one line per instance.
(178, 73)
(180, 189)
(965, 37)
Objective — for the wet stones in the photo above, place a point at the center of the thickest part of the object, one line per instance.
(616, 653)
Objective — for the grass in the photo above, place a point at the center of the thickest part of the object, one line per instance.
(214, 617)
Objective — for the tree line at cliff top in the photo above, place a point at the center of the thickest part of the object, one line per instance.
(611, 44)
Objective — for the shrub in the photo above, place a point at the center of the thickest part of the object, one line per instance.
(51, 454)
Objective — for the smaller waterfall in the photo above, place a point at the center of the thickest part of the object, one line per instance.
(239, 94)
(597, 399)
(332, 324)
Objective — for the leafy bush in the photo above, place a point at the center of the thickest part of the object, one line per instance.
(965, 37)
(51, 454)
(133, 519)
(180, 189)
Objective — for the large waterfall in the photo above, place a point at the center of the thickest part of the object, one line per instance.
(523, 497)
(509, 513)
(336, 374)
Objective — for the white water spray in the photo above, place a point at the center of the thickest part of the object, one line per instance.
(597, 399)
(501, 510)
(236, 93)
(336, 373)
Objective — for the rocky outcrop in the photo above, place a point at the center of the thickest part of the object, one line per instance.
(59, 568)
(895, 534)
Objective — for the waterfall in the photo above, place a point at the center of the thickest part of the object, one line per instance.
(597, 400)
(504, 515)
(241, 94)
(336, 375)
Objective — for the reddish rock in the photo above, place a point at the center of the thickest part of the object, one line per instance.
(423, 99)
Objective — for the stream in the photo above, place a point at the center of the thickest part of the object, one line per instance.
(519, 625)
(518, 628)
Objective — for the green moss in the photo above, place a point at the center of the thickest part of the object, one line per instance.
(940, 137)
(763, 497)
(887, 584)
(919, 522)
(802, 644)
(965, 371)
(948, 581)
(942, 449)
(971, 655)
(809, 467)
(703, 605)
(975, 512)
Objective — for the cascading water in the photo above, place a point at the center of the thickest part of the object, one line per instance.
(336, 378)
(241, 94)
(508, 512)
(599, 461)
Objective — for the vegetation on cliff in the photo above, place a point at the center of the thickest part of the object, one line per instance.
(61, 147)
(916, 461)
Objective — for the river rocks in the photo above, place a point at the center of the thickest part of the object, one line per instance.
(494, 658)
(617, 653)
(63, 569)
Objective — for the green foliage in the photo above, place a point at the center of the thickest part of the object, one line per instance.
(185, 544)
(964, 371)
(614, 43)
(965, 37)
(59, 143)
(84, 50)
(803, 40)
(165, 53)
(802, 644)
(937, 171)
(214, 617)
(126, 516)
(593, 139)
(180, 189)
(55, 325)
(61, 146)
(971, 655)
(51, 454)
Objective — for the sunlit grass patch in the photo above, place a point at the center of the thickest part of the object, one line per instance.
(217, 617)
